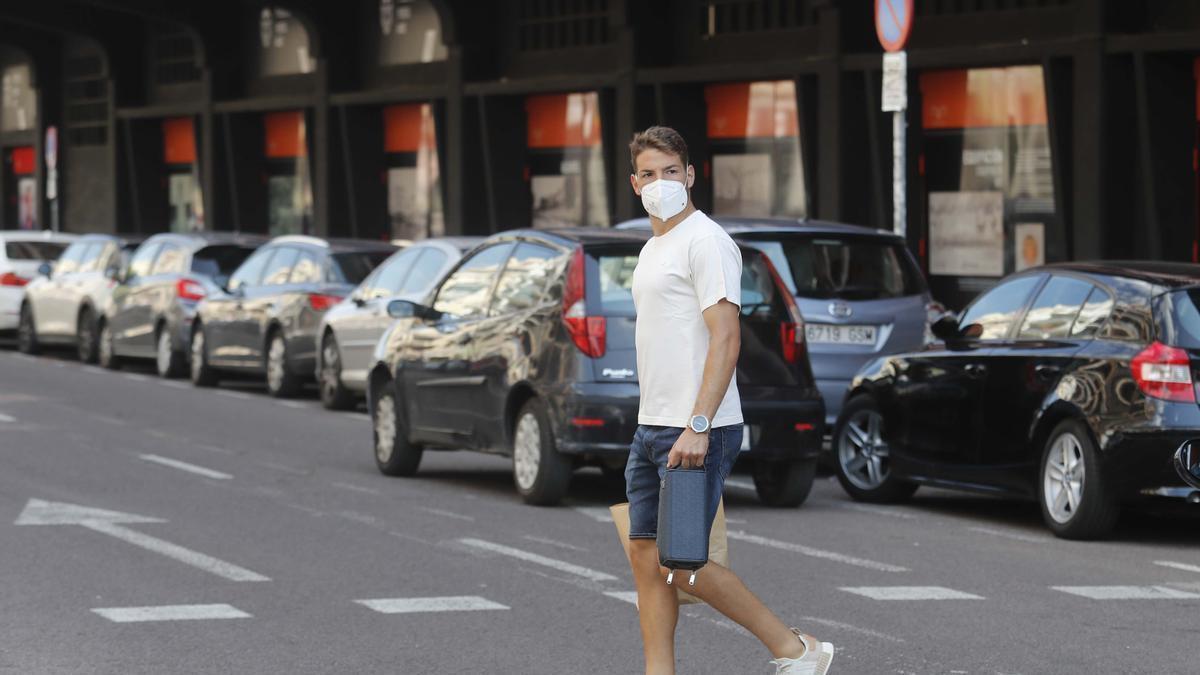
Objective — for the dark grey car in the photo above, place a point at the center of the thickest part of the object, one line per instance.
(150, 312)
(265, 322)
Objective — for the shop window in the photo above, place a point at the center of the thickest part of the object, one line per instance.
(988, 172)
(754, 138)
(183, 175)
(411, 32)
(721, 17)
(19, 99)
(22, 185)
(284, 47)
(289, 182)
(414, 197)
(567, 180)
(558, 25)
(173, 55)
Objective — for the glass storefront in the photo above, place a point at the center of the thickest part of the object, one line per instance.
(21, 187)
(567, 180)
(414, 189)
(289, 179)
(183, 175)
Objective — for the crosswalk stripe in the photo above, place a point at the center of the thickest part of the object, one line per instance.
(599, 514)
(625, 596)
(1127, 592)
(740, 535)
(185, 466)
(570, 568)
(458, 603)
(170, 613)
(1178, 565)
(910, 593)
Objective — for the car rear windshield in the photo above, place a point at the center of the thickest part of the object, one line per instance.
(1178, 317)
(219, 262)
(34, 250)
(843, 267)
(354, 266)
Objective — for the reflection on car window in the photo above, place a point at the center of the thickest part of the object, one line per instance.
(250, 271)
(1097, 308)
(424, 273)
(758, 288)
(34, 250)
(1053, 312)
(139, 266)
(616, 284)
(525, 278)
(171, 260)
(307, 269)
(280, 267)
(996, 310)
(386, 280)
(848, 268)
(68, 262)
(465, 292)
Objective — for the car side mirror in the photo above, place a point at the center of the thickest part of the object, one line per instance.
(115, 273)
(1187, 462)
(45, 269)
(405, 309)
(946, 328)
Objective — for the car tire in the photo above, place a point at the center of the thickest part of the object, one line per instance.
(1075, 502)
(106, 350)
(169, 362)
(334, 395)
(87, 339)
(395, 455)
(862, 456)
(541, 474)
(27, 341)
(784, 484)
(202, 374)
(281, 381)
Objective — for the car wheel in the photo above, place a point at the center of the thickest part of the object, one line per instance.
(167, 361)
(786, 483)
(540, 472)
(281, 382)
(334, 396)
(394, 454)
(863, 457)
(202, 374)
(27, 341)
(85, 336)
(1076, 504)
(107, 354)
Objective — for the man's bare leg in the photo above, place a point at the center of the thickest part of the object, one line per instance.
(658, 608)
(724, 591)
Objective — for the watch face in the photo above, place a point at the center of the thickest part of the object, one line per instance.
(699, 424)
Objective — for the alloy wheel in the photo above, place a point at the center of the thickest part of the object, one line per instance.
(331, 369)
(275, 363)
(106, 344)
(385, 428)
(862, 452)
(163, 354)
(527, 451)
(1062, 478)
(197, 354)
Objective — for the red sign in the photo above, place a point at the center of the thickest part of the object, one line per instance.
(23, 163)
(893, 23)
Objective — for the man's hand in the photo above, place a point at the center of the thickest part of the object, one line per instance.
(689, 451)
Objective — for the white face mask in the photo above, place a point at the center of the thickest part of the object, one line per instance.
(664, 199)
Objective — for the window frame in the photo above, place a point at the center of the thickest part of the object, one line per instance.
(558, 253)
(154, 247)
(1019, 317)
(512, 243)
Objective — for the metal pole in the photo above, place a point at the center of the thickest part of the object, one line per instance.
(899, 193)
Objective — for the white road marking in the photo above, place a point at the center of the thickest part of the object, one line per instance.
(554, 542)
(448, 514)
(741, 535)
(1127, 592)
(851, 628)
(214, 448)
(170, 613)
(173, 384)
(910, 593)
(1178, 565)
(890, 512)
(624, 596)
(356, 488)
(361, 416)
(599, 514)
(462, 603)
(294, 404)
(8, 419)
(235, 394)
(94, 369)
(1027, 538)
(561, 566)
(40, 512)
(135, 377)
(184, 466)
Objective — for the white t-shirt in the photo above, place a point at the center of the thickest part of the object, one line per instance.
(678, 276)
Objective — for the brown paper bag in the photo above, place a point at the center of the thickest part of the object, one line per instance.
(718, 544)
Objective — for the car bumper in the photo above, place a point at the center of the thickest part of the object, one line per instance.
(833, 391)
(1143, 464)
(10, 307)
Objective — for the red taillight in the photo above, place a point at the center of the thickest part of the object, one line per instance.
(587, 422)
(11, 279)
(190, 289)
(805, 426)
(320, 302)
(589, 333)
(791, 333)
(1164, 372)
(791, 341)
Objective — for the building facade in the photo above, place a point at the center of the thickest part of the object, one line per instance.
(1038, 130)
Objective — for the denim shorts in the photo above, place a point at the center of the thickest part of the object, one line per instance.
(648, 464)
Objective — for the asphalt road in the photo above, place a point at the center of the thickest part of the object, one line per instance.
(240, 534)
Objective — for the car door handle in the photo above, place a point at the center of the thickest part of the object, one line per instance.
(1046, 370)
(975, 369)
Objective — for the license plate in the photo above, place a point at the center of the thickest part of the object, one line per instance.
(828, 333)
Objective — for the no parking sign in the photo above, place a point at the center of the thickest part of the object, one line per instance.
(893, 23)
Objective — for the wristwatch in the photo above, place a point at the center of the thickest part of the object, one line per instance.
(699, 424)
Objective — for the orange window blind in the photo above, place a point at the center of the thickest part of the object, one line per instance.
(408, 127)
(983, 97)
(752, 110)
(284, 137)
(563, 120)
(179, 140)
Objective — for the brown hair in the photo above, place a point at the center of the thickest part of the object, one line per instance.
(663, 139)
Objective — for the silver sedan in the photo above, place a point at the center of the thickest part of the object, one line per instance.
(350, 330)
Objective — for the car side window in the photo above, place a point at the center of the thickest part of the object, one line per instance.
(1053, 312)
(68, 262)
(249, 272)
(139, 265)
(386, 280)
(523, 283)
(996, 310)
(1093, 314)
(170, 260)
(280, 267)
(466, 291)
(307, 269)
(90, 262)
(424, 272)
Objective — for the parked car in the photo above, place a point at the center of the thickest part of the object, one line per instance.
(860, 291)
(350, 331)
(21, 254)
(1071, 384)
(527, 349)
(63, 305)
(265, 320)
(150, 313)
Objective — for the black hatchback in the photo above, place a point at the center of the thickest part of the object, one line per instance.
(527, 349)
(1071, 384)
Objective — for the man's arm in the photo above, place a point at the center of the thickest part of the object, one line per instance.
(725, 341)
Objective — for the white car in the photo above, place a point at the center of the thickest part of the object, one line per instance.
(63, 304)
(22, 252)
(350, 330)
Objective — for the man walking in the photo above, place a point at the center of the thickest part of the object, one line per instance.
(687, 293)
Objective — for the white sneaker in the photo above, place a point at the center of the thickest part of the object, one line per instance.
(816, 659)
